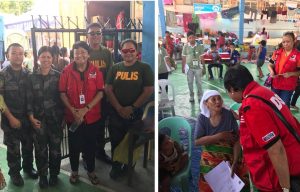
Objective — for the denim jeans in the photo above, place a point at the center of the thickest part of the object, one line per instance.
(284, 95)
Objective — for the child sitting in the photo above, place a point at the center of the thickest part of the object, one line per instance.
(213, 53)
(234, 55)
(172, 159)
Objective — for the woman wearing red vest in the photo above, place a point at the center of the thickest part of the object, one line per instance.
(285, 70)
(81, 89)
(271, 152)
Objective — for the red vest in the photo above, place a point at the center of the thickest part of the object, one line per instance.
(288, 84)
(71, 84)
(259, 127)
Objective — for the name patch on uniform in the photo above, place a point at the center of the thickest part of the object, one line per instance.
(92, 75)
(268, 136)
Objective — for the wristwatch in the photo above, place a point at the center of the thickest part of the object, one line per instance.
(285, 189)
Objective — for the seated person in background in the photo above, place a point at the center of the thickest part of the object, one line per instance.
(217, 132)
(223, 49)
(234, 55)
(172, 159)
(213, 53)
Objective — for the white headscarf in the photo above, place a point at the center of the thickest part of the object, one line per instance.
(207, 94)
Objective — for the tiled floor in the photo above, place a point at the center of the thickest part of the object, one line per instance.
(184, 108)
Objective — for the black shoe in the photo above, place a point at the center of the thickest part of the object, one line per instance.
(104, 157)
(53, 180)
(116, 171)
(32, 173)
(17, 180)
(43, 182)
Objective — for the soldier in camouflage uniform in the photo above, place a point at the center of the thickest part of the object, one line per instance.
(45, 112)
(15, 124)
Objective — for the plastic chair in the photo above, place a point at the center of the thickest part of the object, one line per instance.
(208, 59)
(176, 126)
(138, 137)
(166, 101)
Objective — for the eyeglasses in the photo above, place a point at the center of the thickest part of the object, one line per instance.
(128, 51)
(94, 33)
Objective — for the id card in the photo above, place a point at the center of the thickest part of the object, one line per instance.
(81, 99)
(195, 63)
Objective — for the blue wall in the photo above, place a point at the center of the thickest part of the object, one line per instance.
(148, 33)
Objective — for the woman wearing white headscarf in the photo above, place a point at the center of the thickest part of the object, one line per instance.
(217, 133)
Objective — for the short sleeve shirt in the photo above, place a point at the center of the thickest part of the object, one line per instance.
(192, 53)
(102, 59)
(128, 82)
(227, 123)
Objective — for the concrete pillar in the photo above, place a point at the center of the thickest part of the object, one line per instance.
(241, 22)
(148, 33)
(162, 17)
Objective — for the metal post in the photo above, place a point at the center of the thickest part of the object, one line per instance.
(241, 23)
(34, 48)
(116, 45)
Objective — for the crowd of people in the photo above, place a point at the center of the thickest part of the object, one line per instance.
(263, 148)
(84, 94)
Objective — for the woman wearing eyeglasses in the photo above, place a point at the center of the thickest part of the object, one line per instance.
(81, 86)
(129, 85)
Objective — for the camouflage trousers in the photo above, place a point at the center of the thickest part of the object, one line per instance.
(47, 142)
(12, 139)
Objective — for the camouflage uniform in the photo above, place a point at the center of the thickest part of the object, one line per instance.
(13, 89)
(45, 105)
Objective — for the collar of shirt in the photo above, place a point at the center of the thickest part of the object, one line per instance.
(191, 45)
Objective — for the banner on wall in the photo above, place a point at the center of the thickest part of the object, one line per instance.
(206, 8)
(171, 19)
(187, 18)
(208, 15)
(179, 20)
(168, 2)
